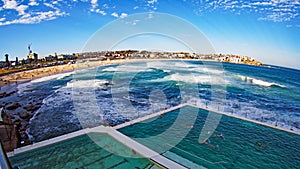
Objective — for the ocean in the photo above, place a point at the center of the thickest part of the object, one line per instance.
(113, 94)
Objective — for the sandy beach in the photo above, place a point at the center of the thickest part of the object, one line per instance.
(45, 71)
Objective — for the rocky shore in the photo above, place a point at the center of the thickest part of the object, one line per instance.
(19, 109)
(20, 106)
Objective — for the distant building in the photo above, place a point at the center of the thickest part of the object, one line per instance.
(32, 57)
(6, 60)
(49, 58)
(17, 61)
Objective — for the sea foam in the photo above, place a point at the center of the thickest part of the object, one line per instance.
(51, 77)
(258, 82)
(94, 83)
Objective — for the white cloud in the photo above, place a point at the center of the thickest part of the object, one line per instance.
(9, 4)
(35, 18)
(272, 10)
(136, 7)
(115, 15)
(152, 2)
(94, 4)
(105, 6)
(33, 3)
(21, 9)
(12, 4)
(123, 15)
(262, 3)
(49, 5)
(2, 19)
(100, 12)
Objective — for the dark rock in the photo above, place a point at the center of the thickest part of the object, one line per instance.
(3, 94)
(13, 106)
(32, 108)
(108, 84)
(25, 115)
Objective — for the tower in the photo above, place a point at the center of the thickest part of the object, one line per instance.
(6, 60)
(29, 49)
(17, 61)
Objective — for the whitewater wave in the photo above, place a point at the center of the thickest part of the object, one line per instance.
(250, 111)
(258, 82)
(127, 68)
(93, 83)
(51, 77)
(193, 79)
(183, 66)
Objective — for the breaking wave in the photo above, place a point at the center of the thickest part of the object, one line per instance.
(258, 82)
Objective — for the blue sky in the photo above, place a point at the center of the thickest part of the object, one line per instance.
(269, 31)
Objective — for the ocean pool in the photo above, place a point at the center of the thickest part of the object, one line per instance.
(82, 152)
(244, 144)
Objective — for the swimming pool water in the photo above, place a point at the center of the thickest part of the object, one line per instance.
(82, 152)
(245, 144)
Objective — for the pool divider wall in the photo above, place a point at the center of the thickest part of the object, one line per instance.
(123, 139)
(204, 108)
(150, 116)
(242, 118)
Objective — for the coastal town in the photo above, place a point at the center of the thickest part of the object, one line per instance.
(33, 60)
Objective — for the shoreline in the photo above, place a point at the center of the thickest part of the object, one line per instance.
(29, 75)
(13, 80)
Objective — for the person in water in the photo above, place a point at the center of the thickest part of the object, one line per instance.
(260, 144)
(220, 136)
(207, 142)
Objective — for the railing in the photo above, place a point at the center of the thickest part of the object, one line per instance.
(4, 162)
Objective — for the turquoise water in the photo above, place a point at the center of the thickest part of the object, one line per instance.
(82, 152)
(114, 94)
(238, 149)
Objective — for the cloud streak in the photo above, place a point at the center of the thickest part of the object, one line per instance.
(34, 11)
(34, 18)
(271, 10)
